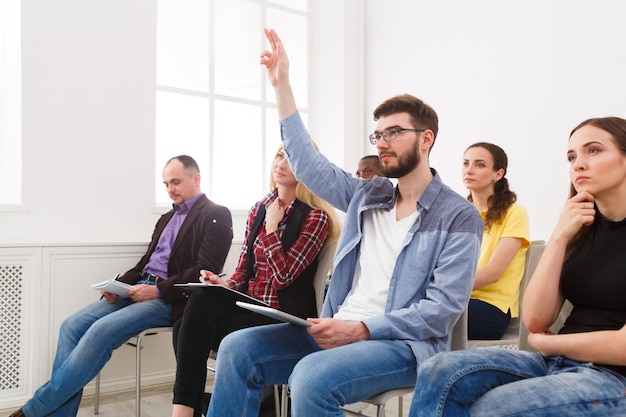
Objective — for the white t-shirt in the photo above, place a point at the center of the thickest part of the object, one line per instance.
(380, 246)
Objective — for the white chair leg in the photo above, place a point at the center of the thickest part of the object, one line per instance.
(96, 402)
(277, 400)
(138, 379)
(284, 403)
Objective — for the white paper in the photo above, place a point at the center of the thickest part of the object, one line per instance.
(114, 287)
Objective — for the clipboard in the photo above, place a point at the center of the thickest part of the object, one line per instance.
(275, 314)
(222, 291)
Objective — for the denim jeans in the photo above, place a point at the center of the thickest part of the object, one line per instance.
(86, 341)
(320, 381)
(485, 321)
(505, 383)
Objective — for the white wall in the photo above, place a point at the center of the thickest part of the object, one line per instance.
(89, 114)
(519, 74)
(88, 122)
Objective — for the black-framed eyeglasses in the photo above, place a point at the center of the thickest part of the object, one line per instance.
(390, 134)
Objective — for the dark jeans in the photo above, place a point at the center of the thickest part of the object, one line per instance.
(486, 321)
(206, 321)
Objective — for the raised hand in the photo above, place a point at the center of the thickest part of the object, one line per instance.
(273, 215)
(579, 211)
(276, 61)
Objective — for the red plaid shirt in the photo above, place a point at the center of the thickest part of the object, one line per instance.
(274, 268)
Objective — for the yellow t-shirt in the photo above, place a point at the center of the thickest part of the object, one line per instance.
(504, 294)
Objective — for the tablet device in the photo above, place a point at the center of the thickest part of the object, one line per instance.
(275, 314)
(222, 291)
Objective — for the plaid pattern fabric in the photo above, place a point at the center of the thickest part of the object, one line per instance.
(275, 269)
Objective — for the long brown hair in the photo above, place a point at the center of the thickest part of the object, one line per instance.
(502, 197)
(616, 127)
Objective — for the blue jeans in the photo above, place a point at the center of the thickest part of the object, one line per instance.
(504, 383)
(86, 341)
(320, 381)
(485, 321)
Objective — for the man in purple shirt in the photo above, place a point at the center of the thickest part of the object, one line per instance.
(196, 234)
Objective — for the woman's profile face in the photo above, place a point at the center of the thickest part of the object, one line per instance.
(478, 172)
(596, 164)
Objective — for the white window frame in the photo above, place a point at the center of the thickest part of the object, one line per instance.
(268, 126)
(10, 107)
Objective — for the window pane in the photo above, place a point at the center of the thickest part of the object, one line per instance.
(182, 128)
(237, 169)
(292, 30)
(235, 137)
(237, 31)
(10, 103)
(183, 44)
(293, 4)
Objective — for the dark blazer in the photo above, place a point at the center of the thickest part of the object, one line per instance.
(203, 242)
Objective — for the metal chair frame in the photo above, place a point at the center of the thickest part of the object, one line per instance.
(138, 346)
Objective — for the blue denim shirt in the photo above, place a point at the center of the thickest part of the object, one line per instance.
(434, 273)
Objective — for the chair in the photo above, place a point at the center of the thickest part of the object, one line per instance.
(512, 335)
(322, 275)
(558, 323)
(137, 345)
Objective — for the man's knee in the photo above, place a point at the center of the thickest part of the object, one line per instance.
(307, 377)
(233, 344)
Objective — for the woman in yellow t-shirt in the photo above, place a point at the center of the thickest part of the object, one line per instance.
(495, 297)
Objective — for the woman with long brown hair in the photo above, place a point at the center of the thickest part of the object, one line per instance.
(495, 296)
(581, 371)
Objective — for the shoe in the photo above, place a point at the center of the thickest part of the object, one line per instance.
(18, 413)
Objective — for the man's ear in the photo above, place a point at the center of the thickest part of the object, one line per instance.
(428, 139)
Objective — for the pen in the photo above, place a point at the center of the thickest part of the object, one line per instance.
(219, 275)
(114, 279)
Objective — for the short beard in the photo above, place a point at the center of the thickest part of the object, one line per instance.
(406, 164)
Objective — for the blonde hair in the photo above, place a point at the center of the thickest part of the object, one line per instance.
(307, 197)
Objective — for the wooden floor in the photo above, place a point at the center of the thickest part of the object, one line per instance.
(156, 401)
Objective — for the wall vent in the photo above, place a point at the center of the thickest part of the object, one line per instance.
(11, 317)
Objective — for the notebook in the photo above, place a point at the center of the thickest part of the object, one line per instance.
(222, 291)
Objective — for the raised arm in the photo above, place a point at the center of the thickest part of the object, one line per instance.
(277, 65)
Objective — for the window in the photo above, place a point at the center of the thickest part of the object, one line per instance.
(10, 104)
(213, 99)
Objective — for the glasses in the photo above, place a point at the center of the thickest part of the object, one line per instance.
(390, 134)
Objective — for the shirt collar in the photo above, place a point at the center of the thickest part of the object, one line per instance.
(186, 206)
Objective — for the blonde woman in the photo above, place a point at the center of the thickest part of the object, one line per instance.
(271, 269)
